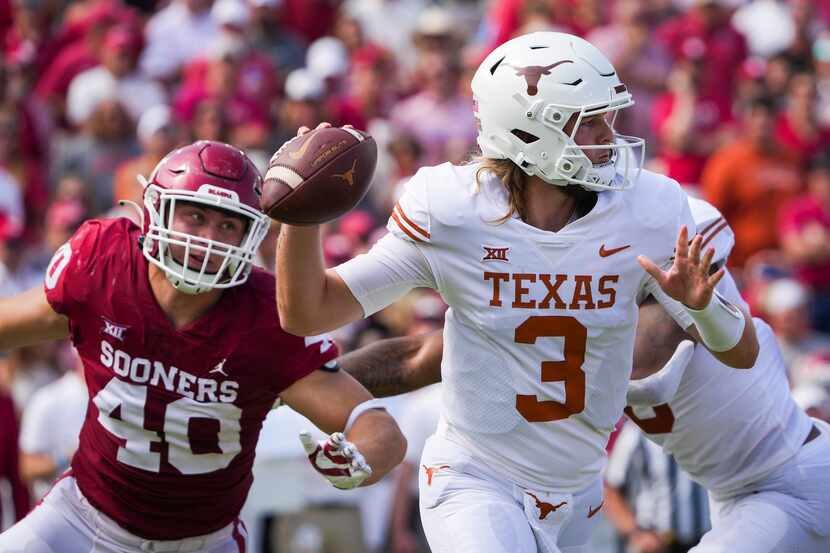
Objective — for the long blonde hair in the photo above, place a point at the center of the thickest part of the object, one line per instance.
(514, 181)
(511, 177)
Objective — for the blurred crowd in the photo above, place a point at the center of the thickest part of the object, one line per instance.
(732, 96)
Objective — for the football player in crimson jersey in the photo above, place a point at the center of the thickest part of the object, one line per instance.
(183, 358)
(765, 463)
(542, 249)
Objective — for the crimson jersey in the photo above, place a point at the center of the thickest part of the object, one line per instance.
(168, 443)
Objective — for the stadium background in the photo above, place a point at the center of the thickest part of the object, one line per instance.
(733, 98)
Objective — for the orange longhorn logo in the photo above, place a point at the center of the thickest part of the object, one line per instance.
(348, 176)
(432, 470)
(544, 507)
(533, 73)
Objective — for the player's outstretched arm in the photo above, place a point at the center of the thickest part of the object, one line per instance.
(310, 299)
(27, 319)
(365, 441)
(397, 365)
(725, 329)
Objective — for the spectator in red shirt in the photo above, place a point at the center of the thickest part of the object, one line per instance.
(805, 232)
(705, 32)
(246, 115)
(798, 128)
(689, 123)
(369, 94)
(83, 42)
(641, 62)
(9, 456)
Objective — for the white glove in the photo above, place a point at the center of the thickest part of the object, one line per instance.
(662, 386)
(337, 460)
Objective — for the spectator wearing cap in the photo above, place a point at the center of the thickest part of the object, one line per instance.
(268, 35)
(785, 305)
(805, 236)
(176, 35)
(689, 123)
(750, 179)
(106, 139)
(328, 59)
(157, 136)
(247, 118)
(642, 63)
(798, 128)
(303, 104)
(9, 459)
(705, 32)
(438, 115)
(118, 75)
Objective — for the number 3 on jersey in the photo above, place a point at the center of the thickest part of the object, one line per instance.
(568, 370)
(130, 400)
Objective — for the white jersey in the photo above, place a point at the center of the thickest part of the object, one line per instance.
(728, 427)
(539, 335)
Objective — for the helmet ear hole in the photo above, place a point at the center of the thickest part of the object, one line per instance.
(524, 136)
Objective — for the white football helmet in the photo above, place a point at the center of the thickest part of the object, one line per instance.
(528, 89)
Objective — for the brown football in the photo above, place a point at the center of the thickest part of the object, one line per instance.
(319, 176)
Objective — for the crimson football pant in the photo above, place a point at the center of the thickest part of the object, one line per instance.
(65, 522)
(788, 511)
(466, 508)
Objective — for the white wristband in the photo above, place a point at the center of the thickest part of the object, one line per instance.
(720, 323)
(362, 408)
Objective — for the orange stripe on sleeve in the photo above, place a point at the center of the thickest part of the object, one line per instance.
(714, 233)
(710, 226)
(417, 229)
(403, 228)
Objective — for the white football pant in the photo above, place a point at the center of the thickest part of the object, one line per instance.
(786, 512)
(467, 508)
(65, 522)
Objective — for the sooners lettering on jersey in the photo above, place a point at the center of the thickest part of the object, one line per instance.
(168, 443)
(559, 307)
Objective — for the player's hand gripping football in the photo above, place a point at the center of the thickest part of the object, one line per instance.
(337, 460)
(687, 280)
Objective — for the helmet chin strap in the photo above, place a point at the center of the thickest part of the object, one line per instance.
(179, 282)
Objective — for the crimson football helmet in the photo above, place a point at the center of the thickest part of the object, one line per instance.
(215, 175)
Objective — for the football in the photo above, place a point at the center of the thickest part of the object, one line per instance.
(319, 176)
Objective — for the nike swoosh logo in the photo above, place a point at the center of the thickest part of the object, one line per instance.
(592, 512)
(298, 154)
(605, 253)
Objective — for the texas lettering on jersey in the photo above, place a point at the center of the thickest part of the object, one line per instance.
(542, 290)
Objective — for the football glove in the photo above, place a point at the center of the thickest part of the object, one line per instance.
(337, 459)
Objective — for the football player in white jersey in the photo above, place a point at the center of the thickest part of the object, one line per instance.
(740, 434)
(540, 255)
